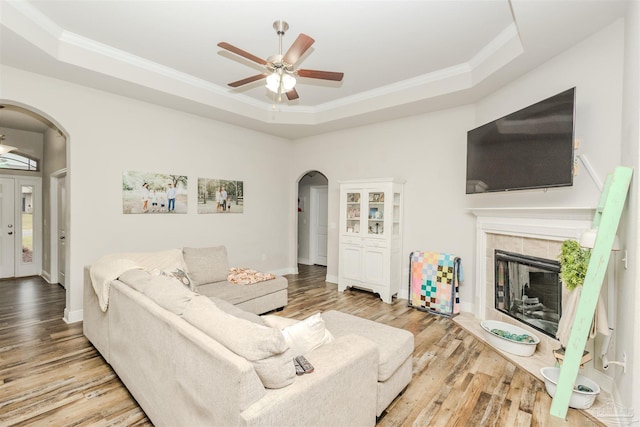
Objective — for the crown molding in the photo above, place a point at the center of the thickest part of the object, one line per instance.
(68, 47)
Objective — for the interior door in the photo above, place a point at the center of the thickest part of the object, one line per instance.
(319, 225)
(62, 231)
(7, 227)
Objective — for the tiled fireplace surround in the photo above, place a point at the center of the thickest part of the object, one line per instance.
(541, 248)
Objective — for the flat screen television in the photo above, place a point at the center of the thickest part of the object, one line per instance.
(531, 148)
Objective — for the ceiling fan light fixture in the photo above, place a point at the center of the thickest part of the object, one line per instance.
(280, 82)
(4, 149)
(273, 82)
(288, 82)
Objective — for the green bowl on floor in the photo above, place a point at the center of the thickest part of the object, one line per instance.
(509, 338)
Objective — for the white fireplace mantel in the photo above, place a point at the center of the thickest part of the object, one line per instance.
(545, 223)
(553, 225)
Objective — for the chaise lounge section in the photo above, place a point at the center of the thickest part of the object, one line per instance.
(208, 269)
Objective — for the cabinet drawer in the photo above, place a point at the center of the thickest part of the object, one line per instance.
(351, 241)
(371, 243)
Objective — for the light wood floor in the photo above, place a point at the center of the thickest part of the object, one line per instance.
(51, 375)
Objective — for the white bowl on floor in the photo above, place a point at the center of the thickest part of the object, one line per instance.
(579, 399)
(511, 346)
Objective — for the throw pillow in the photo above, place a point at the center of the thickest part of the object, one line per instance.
(307, 335)
(279, 322)
(169, 260)
(177, 274)
(264, 347)
(206, 265)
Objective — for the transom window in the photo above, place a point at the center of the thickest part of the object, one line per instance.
(16, 161)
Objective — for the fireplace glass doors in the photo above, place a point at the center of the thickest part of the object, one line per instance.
(529, 289)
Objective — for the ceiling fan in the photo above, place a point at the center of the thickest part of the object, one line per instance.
(280, 69)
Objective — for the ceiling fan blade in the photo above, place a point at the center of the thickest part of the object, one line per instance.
(242, 53)
(247, 80)
(298, 48)
(324, 75)
(292, 94)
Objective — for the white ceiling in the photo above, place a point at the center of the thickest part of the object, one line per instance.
(399, 57)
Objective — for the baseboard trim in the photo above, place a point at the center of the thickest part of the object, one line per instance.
(331, 279)
(73, 316)
(283, 271)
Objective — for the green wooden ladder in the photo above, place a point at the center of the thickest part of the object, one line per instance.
(606, 220)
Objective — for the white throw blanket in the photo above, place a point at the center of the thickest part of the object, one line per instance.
(109, 267)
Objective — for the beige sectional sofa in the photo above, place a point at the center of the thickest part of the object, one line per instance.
(192, 360)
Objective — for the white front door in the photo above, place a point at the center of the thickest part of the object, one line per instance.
(20, 227)
(319, 225)
(7, 228)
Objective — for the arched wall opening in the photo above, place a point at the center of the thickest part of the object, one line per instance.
(312, 217)
(55, 234)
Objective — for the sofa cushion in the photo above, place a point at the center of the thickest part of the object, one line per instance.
(254, 342)
(237, 312)
(206, 265)
(307, 335)
(236, 294)
(276, 371)
(169, 293)
(395, 345)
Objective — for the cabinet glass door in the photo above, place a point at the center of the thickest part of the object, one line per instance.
(375, 213)
(353, 213)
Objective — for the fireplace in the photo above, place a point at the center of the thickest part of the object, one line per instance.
(528, 289)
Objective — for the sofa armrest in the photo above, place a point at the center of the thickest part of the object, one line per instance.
(95, 322)
(340, 392)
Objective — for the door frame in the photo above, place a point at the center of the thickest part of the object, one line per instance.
(53, 223)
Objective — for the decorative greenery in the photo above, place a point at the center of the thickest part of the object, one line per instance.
(574, 261)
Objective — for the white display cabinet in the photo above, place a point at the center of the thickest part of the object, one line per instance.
(370, 255)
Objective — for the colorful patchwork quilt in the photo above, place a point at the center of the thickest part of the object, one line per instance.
(434, 282)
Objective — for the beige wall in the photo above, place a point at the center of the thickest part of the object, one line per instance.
(108, 134)
(627, 337)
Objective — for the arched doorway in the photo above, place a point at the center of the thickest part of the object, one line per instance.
(31, 131)
(312, 218)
